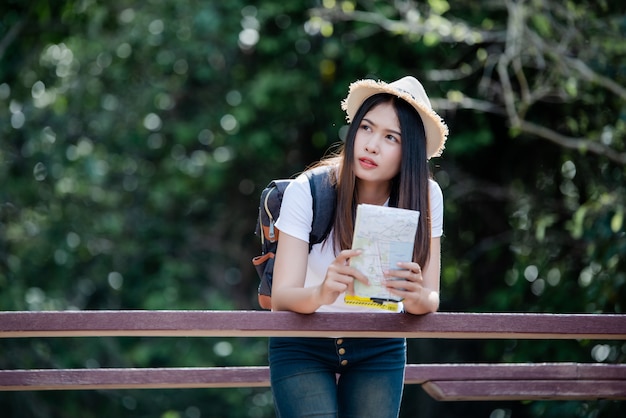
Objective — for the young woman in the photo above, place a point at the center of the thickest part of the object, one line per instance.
(393, 133)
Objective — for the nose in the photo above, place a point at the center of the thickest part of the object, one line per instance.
(371, 145)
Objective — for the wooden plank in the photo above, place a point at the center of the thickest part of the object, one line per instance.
(422, 373)
(519, 390)
(132, 378)
(436, 378)
(265, 323)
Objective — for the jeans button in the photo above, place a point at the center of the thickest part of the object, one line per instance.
(339, 341)
(344, 362)
(342, 351)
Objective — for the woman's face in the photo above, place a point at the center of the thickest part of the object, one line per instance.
(378, 145)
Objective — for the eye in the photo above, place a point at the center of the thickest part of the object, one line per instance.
(365, 127)
(392, 138)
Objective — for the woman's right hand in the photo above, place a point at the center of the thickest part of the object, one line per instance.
(340, 278)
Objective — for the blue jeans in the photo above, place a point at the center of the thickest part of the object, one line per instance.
(337, 377)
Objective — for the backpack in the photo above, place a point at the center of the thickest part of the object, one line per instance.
(324, 202)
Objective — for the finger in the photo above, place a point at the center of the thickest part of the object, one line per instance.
(348, 254)
(336, 286)
(349, 273)
(400, 285)
(402, 293)
(409, 271)
(350, 289)
(403, 275)
(337, 268)
(357, 275)
(354, 276)
(414, 267)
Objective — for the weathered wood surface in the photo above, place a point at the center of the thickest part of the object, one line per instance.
(133, 378)
(421, 373)
(558, 381)
(264, 323)
(526, 390)
(528, 381)
(445, 382)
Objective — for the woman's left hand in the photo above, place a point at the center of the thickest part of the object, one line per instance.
(408, 283)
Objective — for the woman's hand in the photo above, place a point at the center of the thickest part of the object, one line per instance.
(339, 278)
(409, 283)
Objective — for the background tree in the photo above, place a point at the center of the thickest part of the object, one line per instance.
(535, 90)
(136, 136)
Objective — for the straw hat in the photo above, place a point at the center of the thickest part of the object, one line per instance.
(410, 90)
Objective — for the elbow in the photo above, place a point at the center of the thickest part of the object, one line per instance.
(277, 301)
(430, 304)
(287, 299)
(433, 301)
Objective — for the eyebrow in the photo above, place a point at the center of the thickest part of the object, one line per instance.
(390, 130)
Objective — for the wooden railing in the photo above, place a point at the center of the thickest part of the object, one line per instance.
(507, 381)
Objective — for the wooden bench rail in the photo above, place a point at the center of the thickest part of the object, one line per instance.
(526, 390)
(445, 382)
(527, 381)
(556, 381)
(265, 324)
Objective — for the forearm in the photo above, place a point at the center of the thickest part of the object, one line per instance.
(427, 299)
(288, 288)
(428, 302)
(297, 299)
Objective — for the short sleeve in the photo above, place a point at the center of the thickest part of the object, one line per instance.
(436, 209)
(296, 210)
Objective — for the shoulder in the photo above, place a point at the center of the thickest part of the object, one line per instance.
(296, 210)
(322, 173)
(299, 186)
(435, 190)
(436, 208)
(436, 199)
(322, 182)
(317, 180)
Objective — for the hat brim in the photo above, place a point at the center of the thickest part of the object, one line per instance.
(435, 128)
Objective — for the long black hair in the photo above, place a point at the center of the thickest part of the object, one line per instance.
(409, 188)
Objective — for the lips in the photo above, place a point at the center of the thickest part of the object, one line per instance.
(367, 163)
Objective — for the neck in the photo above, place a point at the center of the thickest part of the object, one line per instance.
(373, 195)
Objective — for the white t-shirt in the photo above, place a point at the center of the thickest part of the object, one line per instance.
(296, 214)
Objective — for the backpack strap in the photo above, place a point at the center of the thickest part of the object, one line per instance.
(324, 195)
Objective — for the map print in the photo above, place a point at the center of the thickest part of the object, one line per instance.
(386, 235)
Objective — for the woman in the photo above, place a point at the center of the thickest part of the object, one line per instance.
(393, 133)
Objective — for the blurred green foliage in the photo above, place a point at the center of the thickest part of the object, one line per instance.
(135, 138)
